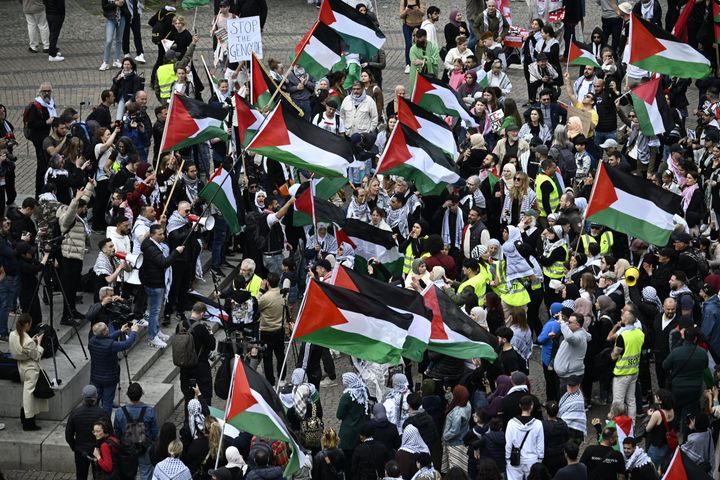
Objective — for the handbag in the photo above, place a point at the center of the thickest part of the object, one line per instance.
(671, 436)
(311, 428)
(43, 389)
(515, 452)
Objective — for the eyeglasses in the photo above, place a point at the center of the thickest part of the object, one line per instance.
(186, 211)
(45, 91)
(632, 116)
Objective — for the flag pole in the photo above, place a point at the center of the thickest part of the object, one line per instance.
(567, 65)
(172, 190)
(292, 336)
(194, 30)
(382, 157)
(165, 131)
(227, 407)
(207, 72)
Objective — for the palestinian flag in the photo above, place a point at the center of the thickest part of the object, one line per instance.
(262, 86)
(652, 48)
(651, 109)
(409, 155)
(482, 77)
(632, 205)
(581, 56)
(453, 333)
(680, 30)
(190, 122)
(357, 30)
(682, 468)
(288, 139)
(716, 19)
(219, 192)
(214, 311)
(327, 187)
(254, 407)
(320, 51)
(371, 242)
(351, 323)
(402, 300)
(427, 125)
(248, 120)
(309, 209)
(438, 97)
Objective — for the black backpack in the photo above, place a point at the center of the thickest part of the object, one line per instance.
(135, 435)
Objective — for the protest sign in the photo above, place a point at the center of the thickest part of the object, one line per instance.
(244, 38)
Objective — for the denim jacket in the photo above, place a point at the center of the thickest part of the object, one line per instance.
(457, 424)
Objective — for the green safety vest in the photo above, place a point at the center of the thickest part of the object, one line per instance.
(165, 78)
(554, 195)
(606, 242)
(629, 362)
(557, 269)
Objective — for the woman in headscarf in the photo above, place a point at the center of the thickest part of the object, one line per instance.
(503, 384)
(583, 307)
(555, 254)
(304, 397)
(598, 365)
(352, 411)
(419, 273)
(516, 266)
(235, 463)
(385, 431)
(457, 424)
(455, 26)
(479, 316)
(693, 203)
(396, 401)
(195, 419)
(411, 445)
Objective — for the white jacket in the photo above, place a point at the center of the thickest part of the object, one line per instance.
(362, 119)
(533, 450)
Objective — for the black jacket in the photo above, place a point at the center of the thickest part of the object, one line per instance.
(368, 460)
(428, 431)
(250, 8)
(78, 431)
(20, 223)
(511, 406)
(387, 434)
(152, 271)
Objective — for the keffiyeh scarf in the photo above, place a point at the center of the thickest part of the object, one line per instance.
(196, 420)
(356, 388)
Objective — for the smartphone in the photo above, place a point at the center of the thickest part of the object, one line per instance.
(193, 383)
(417, 386)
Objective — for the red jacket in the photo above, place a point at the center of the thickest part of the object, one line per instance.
(108, 448)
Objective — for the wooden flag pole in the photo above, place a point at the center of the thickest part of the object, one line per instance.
(172, 190)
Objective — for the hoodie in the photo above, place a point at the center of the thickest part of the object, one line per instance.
(570, 357)
(533, 450)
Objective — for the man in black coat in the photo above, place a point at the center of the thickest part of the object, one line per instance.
(370, 456)
(665, 323)
(420, 419)
(204, 344)
(178, 228)
(79, 430)
(511, 402)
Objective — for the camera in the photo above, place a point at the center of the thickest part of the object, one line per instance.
(120, 311)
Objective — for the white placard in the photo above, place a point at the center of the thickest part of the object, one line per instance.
(243, 38)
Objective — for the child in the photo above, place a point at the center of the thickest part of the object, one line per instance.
(583, 160)
(457, 75)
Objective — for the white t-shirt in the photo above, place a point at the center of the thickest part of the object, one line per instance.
(332, 125)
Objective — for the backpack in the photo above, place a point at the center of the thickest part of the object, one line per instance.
(311, 428)
(125, 461)
(83, 131)
(27, 133)
(183, 348)
(135, 436)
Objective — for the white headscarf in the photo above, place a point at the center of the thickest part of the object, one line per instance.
(302, 391)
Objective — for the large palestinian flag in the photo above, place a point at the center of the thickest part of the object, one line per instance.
(357, 30)
(632, 205)
(371, 242)
(288, 139)
(248, 119)
(320, 51)
(651, 109)
(310, 209)
(453, 333)
(652, 48)
(351, 323)
(438, 97)
(581, 56)
(254, 407)
(427, 125)
(409, 155)
(402, 300)
(681, 467)
(219, 192)
(190, 122)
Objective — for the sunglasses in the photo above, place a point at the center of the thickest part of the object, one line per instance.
(518, 178)
(632, 116)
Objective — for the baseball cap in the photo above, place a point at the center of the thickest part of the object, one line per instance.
(89, 391)
(609, 143)
(676, 148)
(709, 289)
(609, 275)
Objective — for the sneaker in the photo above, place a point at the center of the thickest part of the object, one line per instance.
(140, 58)
(157, 342)
(104, 67)
(126, 55)
(407, 69)
(117, 64)
(327, 382)
(163, 337)
(33, 50)
(142, 323)
(2, 426)
(56, 58)
(282, 383)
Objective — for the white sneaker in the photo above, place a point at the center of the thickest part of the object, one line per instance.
(117, 64)
(127, 55)
(157, 343)
(56, 58)
(142, 323)
(163, 337)
(2, 426)
(407, 69)
(326, 382)
(140, 58)
(282, 383)
(104, 67)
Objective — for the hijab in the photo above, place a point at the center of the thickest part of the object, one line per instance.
(355, 387)
(574, 127)
(687, 194)
(400, 390)
(302, 391)
(503, 384)
(508, 183)
(196, 420)
(452, 18)
(460, 396)
(234, 459)
(620, 267)
(606, 304)
(583, 306)
(412, 441)
(515, 264)
(480, 315)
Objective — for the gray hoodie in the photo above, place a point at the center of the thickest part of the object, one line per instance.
(570, 357)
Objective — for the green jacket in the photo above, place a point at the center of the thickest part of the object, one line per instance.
(431, 55)
(686, 364)
(352, 416)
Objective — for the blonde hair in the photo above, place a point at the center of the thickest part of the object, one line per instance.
(175, 448)
(212, 426)
(329, 438)
(518, 192)
(180, 19)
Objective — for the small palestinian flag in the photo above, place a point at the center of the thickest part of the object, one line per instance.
(190, 122)
(409, 155)
(357, 30)
(680, 30)
(482, 77)
(651, 109)
(219, 191)
(320, 51)
(326, 187)
(681, 467)
(286, 138)
(632, 205)
(188, 4)
(453, 333)
(371, 242)
(402, 300)
(248, 120)
(254, 407)
(581, 56)
(262, 86)
(427, 125)
(352, 323)
(309, 209)
(653, 49)
(438, 97)
(214, 312)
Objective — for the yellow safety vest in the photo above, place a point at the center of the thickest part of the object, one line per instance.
(165, 78)
(253, 285)
(516, 295)
(478, 283)
(409, 258)
(606, 242)
(629, 362)
(557, 269)
(554, 195)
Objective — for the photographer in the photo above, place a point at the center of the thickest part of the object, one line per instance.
(7, 166)
(28, 269)
(106, 311)
(9, 284)
(104, 363)
(200, 374)
(22, 222)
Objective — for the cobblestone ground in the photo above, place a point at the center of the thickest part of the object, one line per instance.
(77, 80)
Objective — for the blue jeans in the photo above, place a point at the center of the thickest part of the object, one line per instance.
(113, 31)
(106, 395)
(407, 33)
(155, 298)
(146, 466)
(218, 243)
(657, 454)
(8, 294)
(472, 39)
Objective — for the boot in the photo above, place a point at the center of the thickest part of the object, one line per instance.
(30, 425)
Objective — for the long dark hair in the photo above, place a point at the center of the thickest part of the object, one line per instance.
(20, 323)
(168, 433)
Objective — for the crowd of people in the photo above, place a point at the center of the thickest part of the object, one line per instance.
(613, 323)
